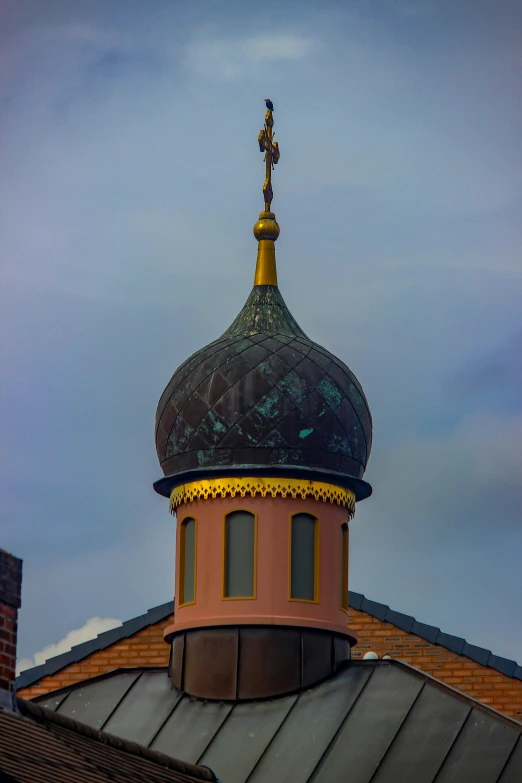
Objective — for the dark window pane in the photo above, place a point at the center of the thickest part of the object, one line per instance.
(303, 557)
(239, 555)
(188, 561)
(343, 570)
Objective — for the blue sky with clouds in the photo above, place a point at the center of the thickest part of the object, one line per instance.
(132, 179)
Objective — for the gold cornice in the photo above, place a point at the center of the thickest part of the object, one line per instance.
(239, 485)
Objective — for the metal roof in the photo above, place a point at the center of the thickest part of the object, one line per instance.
(378, 721)
(263, 395)
(38, 745)
(356, 601)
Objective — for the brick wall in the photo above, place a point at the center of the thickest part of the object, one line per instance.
(480, 682)
(147, 648)
(10, 602)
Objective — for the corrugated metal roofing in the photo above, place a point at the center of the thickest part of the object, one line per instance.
(377, 721)
(356, 601)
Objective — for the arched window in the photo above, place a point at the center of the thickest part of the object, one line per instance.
(240, 567)
(187, 562)
(343, 567)
(304, 558)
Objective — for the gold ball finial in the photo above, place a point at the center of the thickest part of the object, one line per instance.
(266, 227)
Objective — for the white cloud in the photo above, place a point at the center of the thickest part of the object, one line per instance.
(90, 630)
(228, 59)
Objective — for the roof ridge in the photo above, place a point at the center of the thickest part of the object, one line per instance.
(430, 633)
(31, 709)
(480, 705)
(356, 601)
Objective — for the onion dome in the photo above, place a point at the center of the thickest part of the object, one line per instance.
(263, 395)
(264, 398)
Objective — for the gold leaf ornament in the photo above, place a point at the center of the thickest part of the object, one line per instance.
(243, 486)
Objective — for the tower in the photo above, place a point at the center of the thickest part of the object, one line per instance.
(263, 437)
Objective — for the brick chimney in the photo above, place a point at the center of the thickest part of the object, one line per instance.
(10, 602)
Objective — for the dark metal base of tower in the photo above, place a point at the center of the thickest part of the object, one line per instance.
(254, 662)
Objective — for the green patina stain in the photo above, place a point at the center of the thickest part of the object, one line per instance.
(330, 392)
(205, 458)
(216, 425)
(247, 435)
(306, 433)
(275, 440)
(265, 311)
(341, 444)
(269, 405)
(265, 368)
(294, 386)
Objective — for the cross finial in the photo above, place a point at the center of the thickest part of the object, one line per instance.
(271, 150)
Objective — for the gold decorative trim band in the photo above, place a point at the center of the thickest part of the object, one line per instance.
(221, 487)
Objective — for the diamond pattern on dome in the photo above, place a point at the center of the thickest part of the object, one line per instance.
(295, 387)
(263, 394)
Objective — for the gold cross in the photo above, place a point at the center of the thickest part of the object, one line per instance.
(271, 150)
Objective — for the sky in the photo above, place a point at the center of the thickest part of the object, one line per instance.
(131, 180)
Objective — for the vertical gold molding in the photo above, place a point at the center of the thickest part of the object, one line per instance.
(343, 566)
(182, 551)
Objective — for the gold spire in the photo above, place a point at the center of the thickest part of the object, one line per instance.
(266, 229)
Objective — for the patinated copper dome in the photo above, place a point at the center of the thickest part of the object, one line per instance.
(264, 396)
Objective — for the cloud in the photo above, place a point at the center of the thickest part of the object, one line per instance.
(227, 59)
(91, 629)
